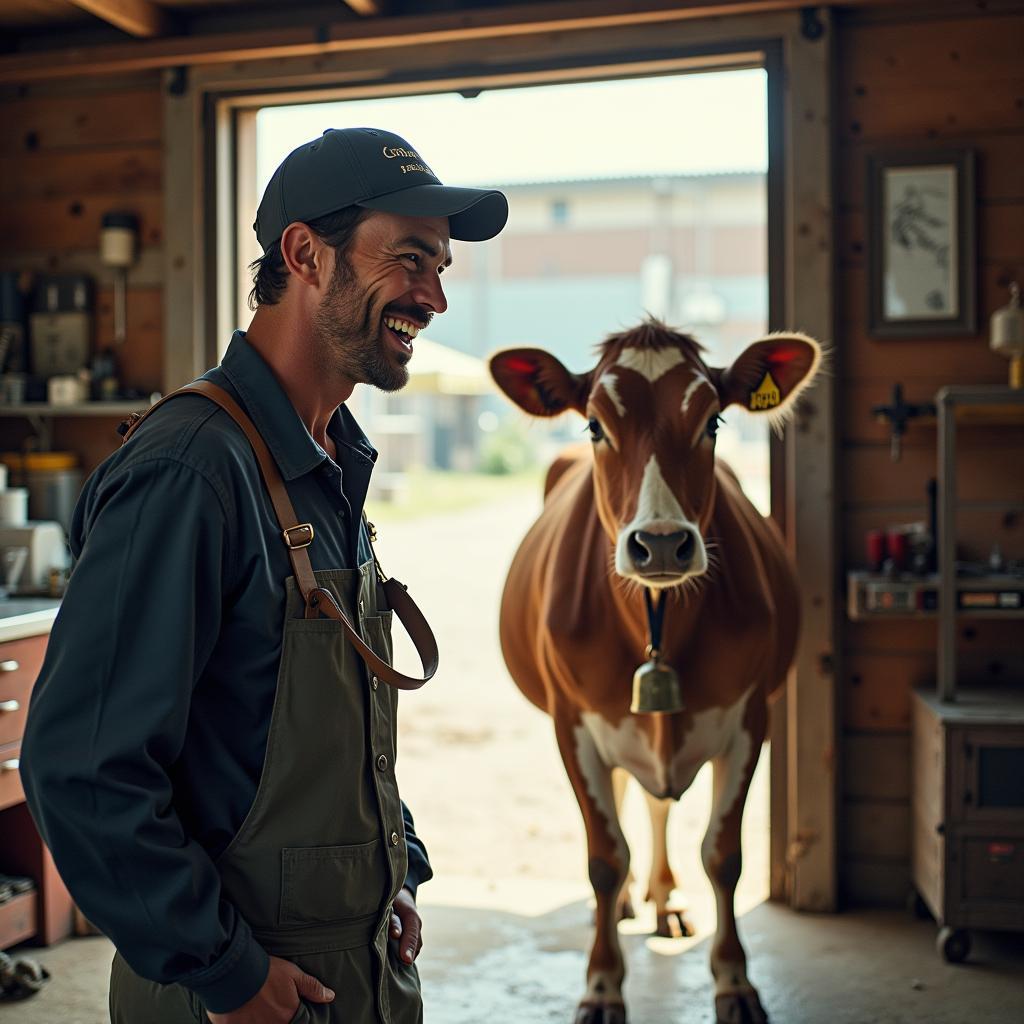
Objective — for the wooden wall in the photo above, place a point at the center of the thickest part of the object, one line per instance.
(919, 82)
(72, 152)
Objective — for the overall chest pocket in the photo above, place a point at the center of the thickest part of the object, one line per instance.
(320, 884)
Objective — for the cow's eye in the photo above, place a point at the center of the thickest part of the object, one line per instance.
(595, 428)
(713, 424)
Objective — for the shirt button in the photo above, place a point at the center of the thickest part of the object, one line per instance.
(382, 763)
(375, 682)
(394, 838)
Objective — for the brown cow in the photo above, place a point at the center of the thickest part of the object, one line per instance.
(651, 508)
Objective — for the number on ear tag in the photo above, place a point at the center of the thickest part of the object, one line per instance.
(767, 395)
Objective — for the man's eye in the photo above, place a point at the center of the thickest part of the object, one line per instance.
(713, 424)
(595, 428)
(413, 257)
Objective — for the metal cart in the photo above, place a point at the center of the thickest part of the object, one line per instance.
(967, 785)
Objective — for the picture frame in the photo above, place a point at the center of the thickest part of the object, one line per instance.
(921, 243)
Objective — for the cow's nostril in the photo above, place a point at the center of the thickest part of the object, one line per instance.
(639, 553)
(684, 553)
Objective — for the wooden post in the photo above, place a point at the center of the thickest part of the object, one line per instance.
(184, 290)
(811, 495)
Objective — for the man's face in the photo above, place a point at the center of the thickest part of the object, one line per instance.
(381, 295)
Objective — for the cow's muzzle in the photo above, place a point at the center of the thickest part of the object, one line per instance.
(663, 554)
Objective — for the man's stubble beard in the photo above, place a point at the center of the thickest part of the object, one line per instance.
(350, 338)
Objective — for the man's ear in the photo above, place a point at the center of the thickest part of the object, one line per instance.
(302, 252)
(769, 375)
(537, 382)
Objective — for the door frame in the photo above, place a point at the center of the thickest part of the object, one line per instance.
(202, 106)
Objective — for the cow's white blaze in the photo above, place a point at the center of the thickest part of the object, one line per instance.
(611, 386)
(651, 363)
(657, 511)
(695, 384)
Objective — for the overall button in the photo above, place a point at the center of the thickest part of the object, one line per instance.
(362, 607)
(394, 838)
(375, 682)
(382, 763)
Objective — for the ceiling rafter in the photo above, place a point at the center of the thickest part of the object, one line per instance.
(367, 8)
(487, 23)
(138, 18)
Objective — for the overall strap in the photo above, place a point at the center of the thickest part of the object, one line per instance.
(298, 536)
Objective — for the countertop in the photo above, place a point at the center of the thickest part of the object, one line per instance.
(26, 616)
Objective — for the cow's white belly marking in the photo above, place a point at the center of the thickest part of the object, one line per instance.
(627, 746)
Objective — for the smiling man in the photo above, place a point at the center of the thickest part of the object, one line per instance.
(209, 759)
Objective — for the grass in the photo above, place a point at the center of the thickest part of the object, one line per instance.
(431, 492)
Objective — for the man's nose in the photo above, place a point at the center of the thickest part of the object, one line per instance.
(429, 293)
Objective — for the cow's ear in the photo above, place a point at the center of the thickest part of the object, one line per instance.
(537, 382)
(769, 375)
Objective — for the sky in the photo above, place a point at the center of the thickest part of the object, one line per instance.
(677, 124)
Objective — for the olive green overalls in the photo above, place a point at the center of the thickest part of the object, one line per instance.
(321, 854)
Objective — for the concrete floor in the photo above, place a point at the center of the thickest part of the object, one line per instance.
(494, 964)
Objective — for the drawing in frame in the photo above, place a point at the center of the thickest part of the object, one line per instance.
(921, 247)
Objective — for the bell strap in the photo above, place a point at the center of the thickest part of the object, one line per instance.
(298, 536)
(655, 620)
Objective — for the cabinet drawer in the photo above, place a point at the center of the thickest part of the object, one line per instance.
(18, 919)
(10, 779)
(20, 662)
(994, 869)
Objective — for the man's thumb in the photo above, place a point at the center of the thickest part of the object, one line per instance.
(315, 991)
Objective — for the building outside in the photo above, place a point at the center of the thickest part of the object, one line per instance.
(581, 259)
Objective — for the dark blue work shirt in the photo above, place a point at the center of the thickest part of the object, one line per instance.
(149, 722)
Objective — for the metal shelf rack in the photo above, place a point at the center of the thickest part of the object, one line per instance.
(960, 405)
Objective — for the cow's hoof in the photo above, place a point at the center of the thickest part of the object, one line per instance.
(600, 1013)
(673, 925)
(739, 1008)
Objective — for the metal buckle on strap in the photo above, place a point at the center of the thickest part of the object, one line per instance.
(304, 539)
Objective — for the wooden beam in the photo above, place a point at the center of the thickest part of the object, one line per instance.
(811, 516)
(374, 33)
(136, 17)
(367, 8)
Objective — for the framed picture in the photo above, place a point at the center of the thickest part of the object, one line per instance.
(921, 249)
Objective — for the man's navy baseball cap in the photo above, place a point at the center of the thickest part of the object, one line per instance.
(376, 169)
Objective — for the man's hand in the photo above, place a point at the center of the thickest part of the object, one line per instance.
(406, 926)
(278, 1000)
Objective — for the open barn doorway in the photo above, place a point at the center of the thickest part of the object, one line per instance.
(628, 197)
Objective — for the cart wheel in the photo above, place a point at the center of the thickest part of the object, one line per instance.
(953, 944)
(917, 907)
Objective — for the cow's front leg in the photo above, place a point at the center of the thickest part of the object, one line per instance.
(736, 1000)
(671, 919)
(608, 863)
(624, 908)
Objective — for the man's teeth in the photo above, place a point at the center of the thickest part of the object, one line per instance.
(402, 325)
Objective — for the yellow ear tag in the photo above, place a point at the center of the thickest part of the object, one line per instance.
(767, 395)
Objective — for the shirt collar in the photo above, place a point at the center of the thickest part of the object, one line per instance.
(280, 426)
